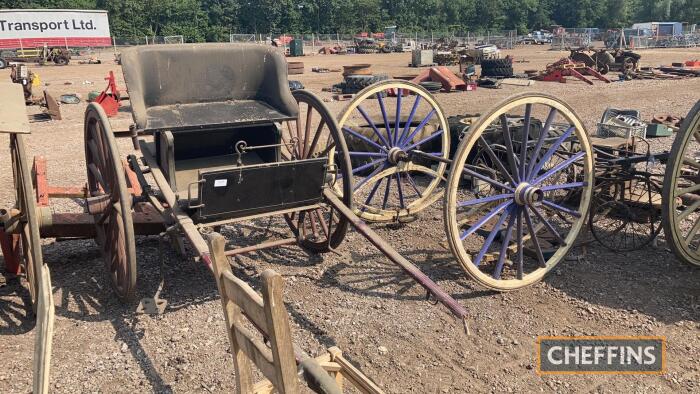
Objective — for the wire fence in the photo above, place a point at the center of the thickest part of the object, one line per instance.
(560, 39)
(625, 38)
(503, 39)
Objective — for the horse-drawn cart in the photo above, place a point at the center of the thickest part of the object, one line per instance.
(222, 140)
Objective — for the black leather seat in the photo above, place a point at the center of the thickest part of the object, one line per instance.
(195, 86)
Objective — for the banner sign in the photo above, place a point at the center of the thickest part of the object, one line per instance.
(64, 28)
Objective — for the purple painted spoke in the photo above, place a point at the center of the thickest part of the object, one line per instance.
(496, 160)
(558, 167)
(504, 246)
(519, 240)
(398, 185)
(371, 154)
(548, 225)
(483, 200)
(487, 179)
(368, 177)
(407, 126)
(540, 141)
(417, 129)
(424, 140)
(573, 185)
(562, 209)
(509, 147)
(368, 165)
(550, 152)
(489, 240)
(485, 219)
(399, 92)
(363, 138)
(413, 184)
(385, 117)
(526, 138)
(533, 238)
(386, 192)
(372, 193)
(373, 126)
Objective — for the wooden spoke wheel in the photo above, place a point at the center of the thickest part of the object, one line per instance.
(681, 191)
(315, 134)
(512, 233)
(383, 127)
(30, 243)
(113, 220)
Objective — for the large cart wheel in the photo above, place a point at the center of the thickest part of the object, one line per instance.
(383, 126)
(681, 191)
(30, 249)
(112, 203)
(538, 167)
(315, 134)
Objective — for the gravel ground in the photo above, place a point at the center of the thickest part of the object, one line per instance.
(355, 299)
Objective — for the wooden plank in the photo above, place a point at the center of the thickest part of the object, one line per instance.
(260, 354)
(247, 299)
(44, 333)
(517, 82)
(354, 375)
(279, 332)
(13, 111)
(263, 387)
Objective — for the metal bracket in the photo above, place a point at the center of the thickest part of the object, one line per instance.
(242, 147)
(189, 195)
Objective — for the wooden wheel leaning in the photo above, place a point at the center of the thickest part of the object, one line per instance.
(681, 191)
(30, 249)
(112, 210)
(383, 126)
(315, 134)
(513, 234)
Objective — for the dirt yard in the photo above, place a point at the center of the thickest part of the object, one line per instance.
(357, 299)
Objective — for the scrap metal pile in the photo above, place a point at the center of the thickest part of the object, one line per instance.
(565, 67)
(604, 61)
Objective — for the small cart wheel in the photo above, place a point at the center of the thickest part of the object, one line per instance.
(383, 127)
(30, 249)
(681, 191)
(512, 233)
(315, 134)
(625, 213)
(112, 210)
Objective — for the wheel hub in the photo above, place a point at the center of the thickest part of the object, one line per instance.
(396, 155)
(527, 194)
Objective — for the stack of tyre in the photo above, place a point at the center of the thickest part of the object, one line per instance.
(497, 68)
(354, 83)
(367, 47)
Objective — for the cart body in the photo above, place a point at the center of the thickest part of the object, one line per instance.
(215, 112)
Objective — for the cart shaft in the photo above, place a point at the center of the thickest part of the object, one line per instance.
(391, 253)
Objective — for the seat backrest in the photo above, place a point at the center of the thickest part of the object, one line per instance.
(267, 314)
(182, 74)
